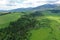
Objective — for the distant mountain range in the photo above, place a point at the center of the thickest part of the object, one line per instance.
(43, 7)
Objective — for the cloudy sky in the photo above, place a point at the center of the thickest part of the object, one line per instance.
(12, 4)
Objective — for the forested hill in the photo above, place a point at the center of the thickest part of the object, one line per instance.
(35, 25)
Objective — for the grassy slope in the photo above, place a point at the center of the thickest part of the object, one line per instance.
(48, 33)
(6, 19)
(52, 33)
(44, 33)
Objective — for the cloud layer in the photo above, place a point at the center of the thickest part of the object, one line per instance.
(12, 4)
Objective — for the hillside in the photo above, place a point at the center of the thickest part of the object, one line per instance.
(35, 25)
(6, 18)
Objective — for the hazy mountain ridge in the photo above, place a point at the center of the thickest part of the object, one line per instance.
(43, 7)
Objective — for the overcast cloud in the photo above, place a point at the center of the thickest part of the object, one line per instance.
(12, 4)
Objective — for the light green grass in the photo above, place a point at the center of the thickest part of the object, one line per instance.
(56, 18)
(40, 34)
(48, 33)
(6, 19)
